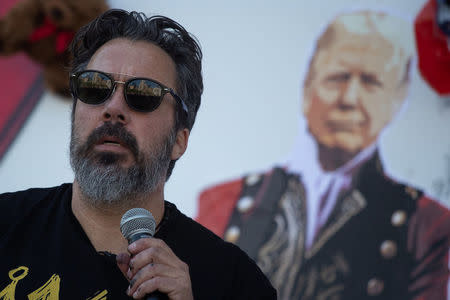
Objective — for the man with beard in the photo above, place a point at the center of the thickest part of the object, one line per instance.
(136, 84)
(330, 224)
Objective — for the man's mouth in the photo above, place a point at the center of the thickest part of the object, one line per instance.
(343, 126)
(111, 141)
(348, 126)
(338, 121)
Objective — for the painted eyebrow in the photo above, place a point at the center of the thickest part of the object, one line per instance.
(338, 75)
(364, 77)
(373, 78)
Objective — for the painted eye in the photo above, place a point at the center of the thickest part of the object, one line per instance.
(338, 78)
(370, 80)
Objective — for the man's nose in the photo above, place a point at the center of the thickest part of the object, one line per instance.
(351, 92)
(115, 108)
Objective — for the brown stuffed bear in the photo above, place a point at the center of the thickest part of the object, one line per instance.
(43, 29)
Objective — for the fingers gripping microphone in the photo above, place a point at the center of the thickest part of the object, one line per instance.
(139, 223)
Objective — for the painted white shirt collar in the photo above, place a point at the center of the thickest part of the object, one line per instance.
(304, 161)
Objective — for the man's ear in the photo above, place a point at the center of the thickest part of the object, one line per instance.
(180, 145)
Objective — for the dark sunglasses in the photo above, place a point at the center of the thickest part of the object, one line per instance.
(141, 94)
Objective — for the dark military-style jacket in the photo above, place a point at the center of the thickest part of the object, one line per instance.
(383, 239)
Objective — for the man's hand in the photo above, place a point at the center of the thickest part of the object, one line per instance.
(153, 266)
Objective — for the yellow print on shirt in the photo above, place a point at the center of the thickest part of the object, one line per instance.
(48, 291)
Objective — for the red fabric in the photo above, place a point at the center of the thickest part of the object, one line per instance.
(17, 74)
(216, 205)
(427, 227)
(19, 96)
(433, 52)
(63, 37)
(6, 5)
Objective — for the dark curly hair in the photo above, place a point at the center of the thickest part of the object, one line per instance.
(164, 32)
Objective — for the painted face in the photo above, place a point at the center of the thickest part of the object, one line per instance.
(353, 91)
(118, 152)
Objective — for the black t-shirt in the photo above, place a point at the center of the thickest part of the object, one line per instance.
(45, 252)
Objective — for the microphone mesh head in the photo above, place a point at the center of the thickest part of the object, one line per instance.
(137, 220)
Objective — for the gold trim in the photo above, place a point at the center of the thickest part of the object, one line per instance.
(355, 203)
(411, 191)
(281, 257)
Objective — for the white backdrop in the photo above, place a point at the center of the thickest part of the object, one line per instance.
(255, 50)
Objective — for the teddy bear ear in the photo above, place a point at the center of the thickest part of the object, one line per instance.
(47, 31)
(89, 10)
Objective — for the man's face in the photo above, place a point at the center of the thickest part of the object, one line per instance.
(353, 92)
(118, 153)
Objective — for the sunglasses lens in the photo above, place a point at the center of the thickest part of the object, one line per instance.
(144, 95)
(93, 87)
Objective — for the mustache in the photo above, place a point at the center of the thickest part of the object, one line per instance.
(114, 130)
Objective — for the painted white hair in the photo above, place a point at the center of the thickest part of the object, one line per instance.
(394, 29)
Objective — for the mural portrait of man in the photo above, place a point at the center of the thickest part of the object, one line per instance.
(330, 223)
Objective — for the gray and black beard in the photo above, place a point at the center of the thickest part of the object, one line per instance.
(103, 182)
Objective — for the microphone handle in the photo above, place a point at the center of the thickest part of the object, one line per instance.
(134, 237)
(156, 295)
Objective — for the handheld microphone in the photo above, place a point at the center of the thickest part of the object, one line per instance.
(139, 223)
